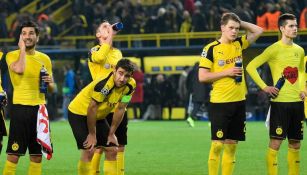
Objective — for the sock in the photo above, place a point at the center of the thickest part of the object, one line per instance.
(9, 168)
(84, 167)
(214, 157)
(35, 168)
(95, 164)
(228, 159)
(293, 161)
(272, 161)
(109, 167)
(120, 158)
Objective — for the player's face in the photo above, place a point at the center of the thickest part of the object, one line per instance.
(230, 30)
(29, 37)
(290, 29)
(121, 77)
(103, 30)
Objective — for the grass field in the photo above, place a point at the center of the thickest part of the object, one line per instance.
(166, 148)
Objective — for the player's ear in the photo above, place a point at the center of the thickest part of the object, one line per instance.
(98, 34)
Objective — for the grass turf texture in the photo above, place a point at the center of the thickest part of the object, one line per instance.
(165, 148)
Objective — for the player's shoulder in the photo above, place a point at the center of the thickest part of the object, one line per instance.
(13, 52)
(102, 82)
(130, 86)
(95, 48)
(211, 45)
(41, 54)
(298, 47)
(131, 83)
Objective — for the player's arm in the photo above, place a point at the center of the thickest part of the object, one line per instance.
(91, 141)
(253, 31)
(302, 78)
(116, 120)
(19, 65)
(100, 55)
(252, 71)
(206, 76)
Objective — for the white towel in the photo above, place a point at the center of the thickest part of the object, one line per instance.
(43, 132)
(267, 121)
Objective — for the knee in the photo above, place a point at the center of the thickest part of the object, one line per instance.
(13, 158)
(294, 144)
(110, 153)
(275, 144)
(36, 159)
(217, 147)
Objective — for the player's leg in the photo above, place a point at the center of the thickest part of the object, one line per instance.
(78, 125)
(278, 129)
(235, 132)
(218, 127)
(35, 167)
(95, 163)
(295, 135)
(191, 111)
(17, 144)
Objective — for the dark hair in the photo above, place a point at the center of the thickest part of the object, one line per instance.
(104, 21)
(29, 24)
(229, 16)
(282, 20)
(125, 64)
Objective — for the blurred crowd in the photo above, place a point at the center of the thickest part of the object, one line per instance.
(167, 17)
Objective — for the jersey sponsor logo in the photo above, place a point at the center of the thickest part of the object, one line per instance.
(105, 91)
(107, 66)
(221, 62)
(233, 60)
(279, 130)
(15, 146)
(219, 134)
(204, 54)
(94, 49)
(291, 74)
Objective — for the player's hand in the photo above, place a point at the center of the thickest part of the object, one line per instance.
(234, 71)
(112, 140)
(48, 79)
(271, 91)
(302, 95)
(21, 43)
(90, 142)
(109, 36)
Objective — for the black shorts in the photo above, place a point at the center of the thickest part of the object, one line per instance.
(287, 120)
(227, 120)
(22, 133)
(3, 131)
(78, 124)
(121, 132)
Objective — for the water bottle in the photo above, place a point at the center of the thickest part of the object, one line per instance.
(43, 86)
(280, 82)
(118, 26)
(238, 78)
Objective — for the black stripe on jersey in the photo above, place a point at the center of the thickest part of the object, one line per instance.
(210, 52)
(130, 89)
(239, 39)
(99, 86)
(90, 56)
(203, 67)
(306, 68)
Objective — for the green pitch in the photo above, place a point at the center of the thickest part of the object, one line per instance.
(165, 148)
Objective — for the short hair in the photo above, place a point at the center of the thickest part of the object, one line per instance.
(282, 20)
(125, 64)
(229, 16)
(29, 24)
(104, 21)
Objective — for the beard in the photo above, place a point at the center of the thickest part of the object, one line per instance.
(29, 47)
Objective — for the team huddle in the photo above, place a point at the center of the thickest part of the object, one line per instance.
(97, 114)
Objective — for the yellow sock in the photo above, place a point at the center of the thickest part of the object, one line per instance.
(228, 159)
(9, 168)
(95, 164)
(272, 161)
(109, 167)
(214, 157)
(293, 161)
(84, 168)
(35, 168)
(120, 158)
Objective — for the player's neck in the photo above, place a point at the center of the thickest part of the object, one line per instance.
(30, 51)
(224, 40)
(286, 40)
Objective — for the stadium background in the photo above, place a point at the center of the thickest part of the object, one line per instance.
(162, 39)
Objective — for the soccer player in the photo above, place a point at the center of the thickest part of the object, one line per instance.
(102, 60)
(3, 101)
(227, 98)
(87, 112)
(24, 68)
(286, 61)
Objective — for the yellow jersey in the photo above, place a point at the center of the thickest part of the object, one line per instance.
(102, 60)
(103, 91)
(26, 85)
(286, 60)
(218, 57)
